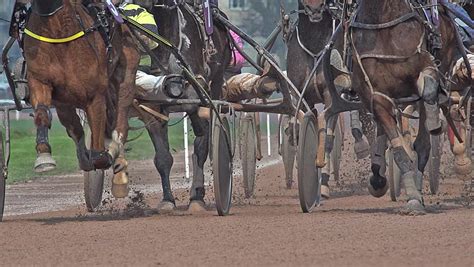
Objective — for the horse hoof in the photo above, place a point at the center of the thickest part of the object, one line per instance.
(413, 208)
(380, 191)
(462, 166)
(120, 185)
(196, 206)
(325, 191)
(166, 207)
(44, 162)
(362, 149)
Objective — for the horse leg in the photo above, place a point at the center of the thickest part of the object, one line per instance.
(96, 117)
(201, 150)
(329, 145)
(70, 120)
(378, 185)
(163, 160)
(361, 147)
(428, 87)
(422, 146)
(41, 101)
(402, 154)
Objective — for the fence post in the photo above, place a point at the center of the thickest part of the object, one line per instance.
(186, 146)
(269, 148)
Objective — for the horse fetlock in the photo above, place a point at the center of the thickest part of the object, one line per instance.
(42, 139)
(378, 184)
(120, 164)
(198, 194)
(101, 159)
(114, 149)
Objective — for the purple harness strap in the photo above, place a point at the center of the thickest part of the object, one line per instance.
(208, 21)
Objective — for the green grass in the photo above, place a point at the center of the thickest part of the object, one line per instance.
(23, 153)
(23, 142)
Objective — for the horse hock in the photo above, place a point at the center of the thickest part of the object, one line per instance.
(44, 161)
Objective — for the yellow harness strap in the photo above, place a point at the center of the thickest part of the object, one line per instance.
(54, 40)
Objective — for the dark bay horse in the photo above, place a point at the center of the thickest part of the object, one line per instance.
(393, 65)
(79, 73)
(177, 23)
(306, 43)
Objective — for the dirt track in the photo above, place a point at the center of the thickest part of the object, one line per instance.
(350, 229)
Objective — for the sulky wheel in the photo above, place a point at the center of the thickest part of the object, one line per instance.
(336, 153)
(434, 163)
(93, 180)
(3, 176)
(248, 152)
(93, 188)
(394, 176)
(222, 165)
(309, 178)
(288, 148)
(469, 124)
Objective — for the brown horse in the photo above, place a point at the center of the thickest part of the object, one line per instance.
(81, 73)
(392, 65)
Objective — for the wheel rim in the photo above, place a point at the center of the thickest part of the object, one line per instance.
(288, 152)
(222, 167)
(249, 159)
(336, 152)
(2, 177)
(434, 163)
(309, 180)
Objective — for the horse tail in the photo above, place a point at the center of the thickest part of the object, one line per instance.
(111, 106)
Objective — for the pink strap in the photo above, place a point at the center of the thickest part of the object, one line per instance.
(237, 59)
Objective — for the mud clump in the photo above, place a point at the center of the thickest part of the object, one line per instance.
(137, 206)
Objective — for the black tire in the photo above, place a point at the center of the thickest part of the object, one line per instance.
(309, 179)
(434, 163)
(93, 188)
(93, 180)
(288, 150)
(248, 152)
(222, 166)
(336, 153)
(3, 177)
(394, 176)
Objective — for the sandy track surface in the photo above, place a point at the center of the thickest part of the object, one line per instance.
(351, 229)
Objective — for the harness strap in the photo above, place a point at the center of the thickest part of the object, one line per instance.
(54, 40)
(389, 24)
(397, 57)
(305, 48)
